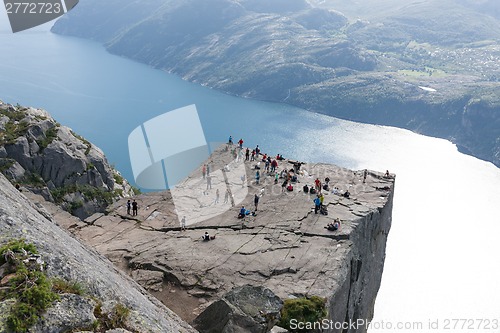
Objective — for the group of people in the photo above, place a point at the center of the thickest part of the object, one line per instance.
(132, 205)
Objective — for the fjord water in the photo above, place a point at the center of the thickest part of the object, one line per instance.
(442, 253)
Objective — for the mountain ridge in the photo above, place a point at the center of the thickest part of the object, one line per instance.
(368, 69)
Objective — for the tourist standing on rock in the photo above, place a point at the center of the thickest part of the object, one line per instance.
(257, 151)
(240, 143)
(134, 208)
(183, 224)
(274, 165)
(365, 173)
(208, 169)
(230, 141)
(257, 177)
(317, 184)
(256, 201)
(317, 205)
(226, 196)
(247, 154)
(253, 156)
(204, 170)
(209, 182)
(217, 196)
(129, 205)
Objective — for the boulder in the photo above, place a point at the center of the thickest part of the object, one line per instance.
(69, 312)
(252, 309)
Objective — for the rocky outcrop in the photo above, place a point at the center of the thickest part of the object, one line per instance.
(284, 247)
(47, 158)
(243, 309)
(68, 259)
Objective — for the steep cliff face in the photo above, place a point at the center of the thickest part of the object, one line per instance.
(43, 156)
(68, 259)
(354, 301)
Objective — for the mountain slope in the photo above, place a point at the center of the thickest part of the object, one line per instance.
(366, 66)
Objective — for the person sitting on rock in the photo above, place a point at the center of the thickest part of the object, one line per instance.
(206, 237)
(305, 188)
(334, 226)
(346, 194)
(242, 212)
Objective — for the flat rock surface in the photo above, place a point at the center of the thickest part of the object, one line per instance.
(284, 247)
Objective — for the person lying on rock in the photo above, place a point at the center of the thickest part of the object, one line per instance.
(334, 226)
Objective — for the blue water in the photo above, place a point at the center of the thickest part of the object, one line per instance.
(443, 253)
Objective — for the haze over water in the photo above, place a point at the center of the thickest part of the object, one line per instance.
(442, 253)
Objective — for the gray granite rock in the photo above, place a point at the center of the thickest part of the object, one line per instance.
(67, 258)
(244, 309)
(43, 146)
(69, 312)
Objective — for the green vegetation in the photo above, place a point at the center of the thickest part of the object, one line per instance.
(136, 190)
(115, 319)
(28, 285)
(6, 164)
(74, 205)
(12, 131)
(16, 246)
(89, 193)
(34, 292)
(118, 178)
(50, 135)
(85, 142)
(306, 310)
(62, 286)
(14, 115)
(34, 179)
